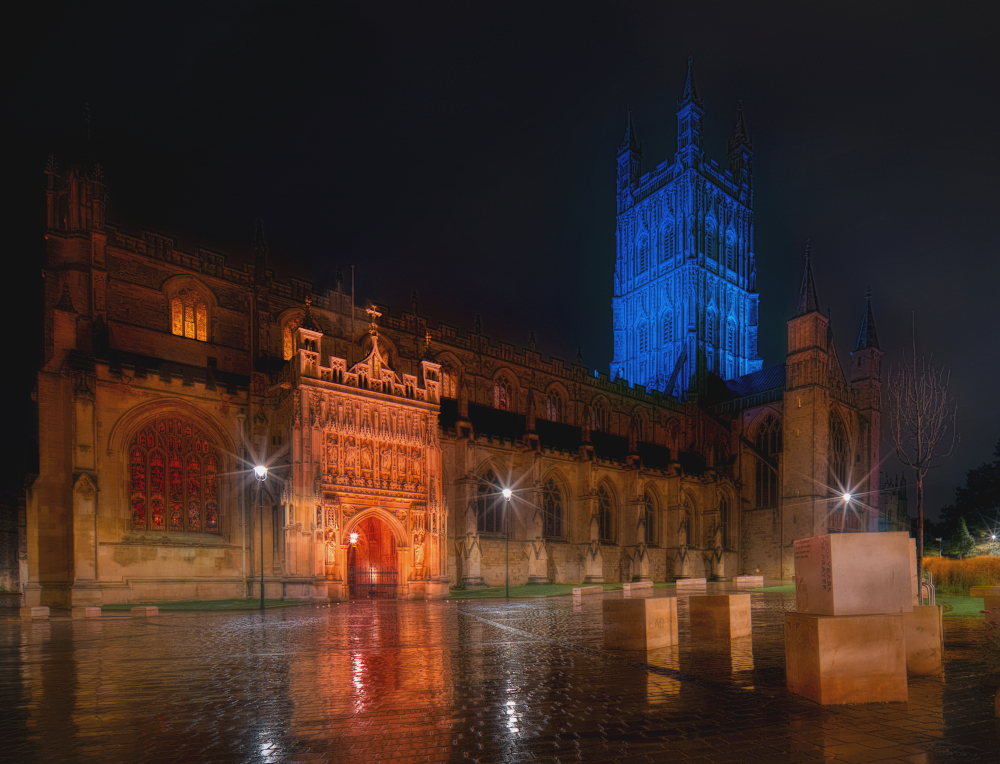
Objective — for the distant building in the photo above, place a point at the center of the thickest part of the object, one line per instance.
(169, 373)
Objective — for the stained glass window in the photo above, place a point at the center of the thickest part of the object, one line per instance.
(553, 407)
(598, 416)
(768, 443)
(605, 514)
(490, 505)
(173, 478)
(189, 315)
(503, 394)
(552, 509)
(724, 521)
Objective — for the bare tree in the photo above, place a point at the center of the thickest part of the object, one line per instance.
(921, 422)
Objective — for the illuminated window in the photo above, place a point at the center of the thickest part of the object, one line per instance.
(449, 382)
(503, 398)
(553, 407)
(288, 338)
(650, 507)
(189, 315)
(598, 416)
(490, 504)
(605, 514)
(173, 478)
(552, 509)
(768, 443)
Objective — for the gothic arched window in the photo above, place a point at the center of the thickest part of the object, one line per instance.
(503, 394)
(643, 255)
(710, 328)
(552, 509)
(189, 315)
(650, 507)
(636, 426)
(838, 472)
(553, 406)
(668, 328)
(173, 478)
(768, 444)
(449, 382)
(709, 240)
(730, 251)
(724, 522)
(643, 333)
(668, 242)
(598, 416)
(490, 504)
(605, 514)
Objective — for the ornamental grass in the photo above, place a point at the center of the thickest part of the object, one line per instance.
(956, 576)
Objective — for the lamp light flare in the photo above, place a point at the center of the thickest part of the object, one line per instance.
(846, 497)
(506, 493)
(354, 538)
(260, 472)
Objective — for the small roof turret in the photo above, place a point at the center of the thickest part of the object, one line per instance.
(867, 336)
(808, 302)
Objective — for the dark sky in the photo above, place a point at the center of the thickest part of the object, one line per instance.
(467, 151)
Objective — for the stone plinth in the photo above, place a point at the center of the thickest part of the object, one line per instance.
(581, 590)
(640, 624)
(914, 577)
(924, 640)
(749, 581)
(86, 612)
(990, 595)
(34, 613)
(846, 659)
(635, 586)
(144, 611)
(853, 574)
(437, 590)
(720, 616)
(691, 583)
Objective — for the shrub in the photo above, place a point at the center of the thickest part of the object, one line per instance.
(956, 576)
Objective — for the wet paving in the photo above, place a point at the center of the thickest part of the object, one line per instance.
(462, 681)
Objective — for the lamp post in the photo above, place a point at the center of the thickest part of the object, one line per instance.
(940, 547)
(506, 494)
(260, 472)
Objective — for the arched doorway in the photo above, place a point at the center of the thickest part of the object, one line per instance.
(372, 568)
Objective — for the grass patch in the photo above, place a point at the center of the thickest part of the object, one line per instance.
(200, 605)
(962, 607)
(785, 589)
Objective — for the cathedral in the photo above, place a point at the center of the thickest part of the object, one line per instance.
(404, 459)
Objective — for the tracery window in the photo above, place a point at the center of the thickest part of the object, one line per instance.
(553, 407)
(650, 507)
(668, 242)
(643, 338)
(503, 394)
(189, 315)
(668, 328)
(605, 514)
(449, 382)
(838, 477)
(768, 444)
(552, 509)
(598, 416)
(724, 522)
(490, 504)
(173, 478)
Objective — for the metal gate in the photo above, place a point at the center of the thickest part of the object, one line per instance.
(371, 563)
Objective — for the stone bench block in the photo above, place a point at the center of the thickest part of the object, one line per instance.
(853, 574)
(691, 583)
(720, 616)
(846, 659)
(924, 637)
(144, 611)
(636, 585)
(749, 581)
(86, 612)
(990, 595)
(641, 624)
(580, 590)
(34, 613)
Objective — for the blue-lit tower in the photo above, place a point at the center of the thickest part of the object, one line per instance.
(685, 299)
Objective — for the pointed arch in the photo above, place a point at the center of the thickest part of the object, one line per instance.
(192, 306)
(505, 390)
(607, 511)
(555, 499)
(651, 505)
(600, 413)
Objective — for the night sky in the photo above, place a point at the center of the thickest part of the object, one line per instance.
(467, 151)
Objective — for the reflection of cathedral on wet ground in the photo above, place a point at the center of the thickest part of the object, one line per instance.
(166, 371)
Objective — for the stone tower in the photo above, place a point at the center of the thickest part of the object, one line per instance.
(685, 299)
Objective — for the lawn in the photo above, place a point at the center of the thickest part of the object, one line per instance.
(191, 605)
(527, 591)
(962, 607)
(785, 589)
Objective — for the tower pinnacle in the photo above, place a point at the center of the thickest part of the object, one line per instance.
(867, 336)
(808, 302)
(690, 88)
(629, 142)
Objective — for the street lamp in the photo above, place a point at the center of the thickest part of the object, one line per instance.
(260, 472)
(846, 497)
(940, 547)
(506, 495)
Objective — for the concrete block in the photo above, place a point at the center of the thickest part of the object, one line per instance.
(691, 583)
(990, 595)
(581, 590)
(636, 586)
(846, 659)
(86, 612)
(34, 613)
(749, 581)
(853, 574)
(640, 624)
(924, 637)
(914, 575)
(144, 611)
(720, 616)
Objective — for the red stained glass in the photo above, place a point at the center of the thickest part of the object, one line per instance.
(137, 463)
(156, 486)
(211, 495)
(176, 494)
(194, 493)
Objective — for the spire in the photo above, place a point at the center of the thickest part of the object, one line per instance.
(740, 135)
(629, 142)
(308, 320)
(690, 89)
(867, 337)
(808, 302)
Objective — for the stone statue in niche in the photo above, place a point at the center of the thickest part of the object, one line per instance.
(418, 552)
(415, 465)
(386, 463)
(366, 457)
(331, 455)
(349, 457)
